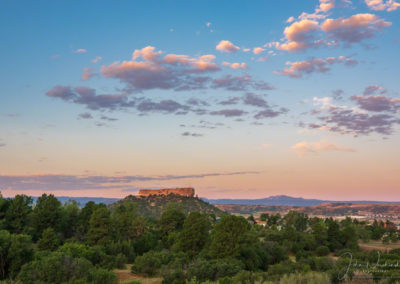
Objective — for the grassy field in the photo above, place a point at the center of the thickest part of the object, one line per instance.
(125, 276)
(377, 245)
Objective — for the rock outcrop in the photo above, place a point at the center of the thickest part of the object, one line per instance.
(187, 191)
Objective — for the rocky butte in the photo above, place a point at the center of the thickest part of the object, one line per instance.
(185, 191)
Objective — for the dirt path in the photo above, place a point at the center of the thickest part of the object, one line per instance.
(125, 276)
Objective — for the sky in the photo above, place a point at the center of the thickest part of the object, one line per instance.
(238, 99)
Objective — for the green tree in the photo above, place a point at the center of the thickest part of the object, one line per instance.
(171, 219)
(99, 227)
(48, 241)
(61, 268)
(84, 218)
(70, 219)
(320, 232)
(264, 217)
(296, 220)
(349, 236)
(148, 264)
(21, 252)
(333, 233)
(128, 224)
(228, 236)
(15, 251)
(46, 214)
(322, 250)
(4, 204)
(18, 214)
(194, 234)
(5, 243)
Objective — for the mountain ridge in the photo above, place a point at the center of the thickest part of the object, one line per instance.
(270, 200)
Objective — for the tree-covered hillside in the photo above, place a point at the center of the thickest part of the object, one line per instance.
(152, 206)
(50, 242)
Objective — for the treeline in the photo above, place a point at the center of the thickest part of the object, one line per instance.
(50, 242)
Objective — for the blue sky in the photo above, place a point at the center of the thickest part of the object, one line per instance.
(311, 109)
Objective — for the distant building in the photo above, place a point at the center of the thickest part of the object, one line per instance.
(186, 191)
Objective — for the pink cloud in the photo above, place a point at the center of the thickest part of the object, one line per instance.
(203, 63)
(377, 103)
(227, 46)
(355, 28)
(155, 71)
(319, 65)
(97, 59)
(290, 19)
(81, 50)
(235, 65)
(258, 50)
(374, 89)
(379, 5)
(299, 36)
(304, 148)
(148, 53)
(326, 5)
(87, 73)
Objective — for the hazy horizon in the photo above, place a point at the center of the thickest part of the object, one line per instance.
(236, 99)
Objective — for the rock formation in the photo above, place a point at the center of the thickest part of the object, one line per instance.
(187, 191)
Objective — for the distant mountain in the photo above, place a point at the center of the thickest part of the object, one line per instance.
(278, 200)
(153, 205)
(285, 200)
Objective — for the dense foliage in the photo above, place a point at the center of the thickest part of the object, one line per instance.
(50, 242)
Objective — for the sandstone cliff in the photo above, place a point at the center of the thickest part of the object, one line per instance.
(187, 191)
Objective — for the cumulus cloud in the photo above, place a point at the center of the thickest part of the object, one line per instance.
(87, 73)
(173, 71)
(304, 148)
(240, 83)
(377, 103)
(268, 112)
(235, 65)
(326, 5)
(258, 50)
(337, 94)
(197, 102)
(369, 114)
(88, 97)
(314, 30)
(230, 101)
(379, 5)
(355, 28)
(103, 117)
(290, 19)
(258, 101)
(352, 122)
(254, 100)
(373, 89)
(85, 115)
(168, 106)
(229, 112)
(315, 65)
(97, 59)
(299, 36)
(227, 46)
(81, 50)
(191, 134)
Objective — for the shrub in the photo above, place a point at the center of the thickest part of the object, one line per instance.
(149, 263)
(322, 250)
(309, 278)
